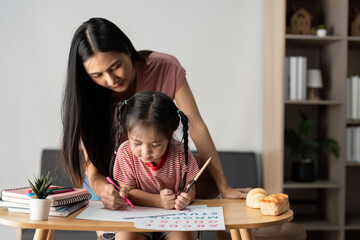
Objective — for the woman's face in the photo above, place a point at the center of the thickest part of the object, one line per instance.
(111, 70)
(147, 144)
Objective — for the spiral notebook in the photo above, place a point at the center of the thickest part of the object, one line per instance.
(20, 195)
(58, 212)
(24, 203)
(23, 193)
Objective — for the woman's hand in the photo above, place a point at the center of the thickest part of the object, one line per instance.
(182, 200)
(112, 198)
(230, 192)
(167, 197)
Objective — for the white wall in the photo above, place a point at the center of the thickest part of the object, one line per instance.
(218, 42)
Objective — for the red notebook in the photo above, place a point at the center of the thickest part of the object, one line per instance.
(22, 193)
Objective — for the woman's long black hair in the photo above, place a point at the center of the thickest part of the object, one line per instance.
(149, 109)
(87, 109)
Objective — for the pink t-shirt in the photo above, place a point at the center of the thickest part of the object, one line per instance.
(130, 170)
(159, 72)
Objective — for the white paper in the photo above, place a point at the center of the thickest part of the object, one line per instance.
(199, 219)
(97, 211)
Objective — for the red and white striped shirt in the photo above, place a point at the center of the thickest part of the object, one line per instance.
(130, 170)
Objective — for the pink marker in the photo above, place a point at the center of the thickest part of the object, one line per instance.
(111, 181)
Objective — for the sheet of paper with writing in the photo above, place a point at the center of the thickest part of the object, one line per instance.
(200, 219)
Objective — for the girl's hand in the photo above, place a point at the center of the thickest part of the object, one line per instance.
(235, 192)
(182, 201)
(167, 197)
(112, 198)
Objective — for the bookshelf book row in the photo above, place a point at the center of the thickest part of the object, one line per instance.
(295, 78)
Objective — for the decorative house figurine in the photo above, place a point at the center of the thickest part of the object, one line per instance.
(300, 22)
(355, 23)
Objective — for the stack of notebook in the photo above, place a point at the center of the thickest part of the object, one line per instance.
(62, 205)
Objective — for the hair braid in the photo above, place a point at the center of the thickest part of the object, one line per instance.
(117, 132)
(184, 121)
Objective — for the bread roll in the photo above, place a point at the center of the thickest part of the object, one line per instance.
(254, 196)
(274, 204)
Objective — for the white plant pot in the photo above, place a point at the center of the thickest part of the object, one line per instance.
(39, 208)
(321, 32)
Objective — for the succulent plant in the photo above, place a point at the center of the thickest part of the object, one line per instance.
(41, 185)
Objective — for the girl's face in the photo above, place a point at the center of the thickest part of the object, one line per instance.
(147, 144)
(111, 70)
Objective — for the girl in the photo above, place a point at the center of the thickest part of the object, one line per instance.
(153, 166)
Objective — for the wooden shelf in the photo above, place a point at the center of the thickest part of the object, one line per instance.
(352, 222)
(308, 102)
(353, 164)
(354, 39)
(311, 40)
(319, 184)
(353, 122)
(354, 42)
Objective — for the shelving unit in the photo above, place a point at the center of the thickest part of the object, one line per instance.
(327, 208)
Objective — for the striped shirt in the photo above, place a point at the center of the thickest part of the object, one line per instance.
(130, 170)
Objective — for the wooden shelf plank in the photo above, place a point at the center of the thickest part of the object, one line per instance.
(352, 222)
(353, 164)
(308, 102)
(312, 40)
(315, 37)
(319, 184)
(354, 41)
(353, 122)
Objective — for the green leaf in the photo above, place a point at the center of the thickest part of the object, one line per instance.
(302, 147)
(306, 125)
(41, 185)
(330, 145)
(292, 139)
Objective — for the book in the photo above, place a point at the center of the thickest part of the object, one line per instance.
(286, 78)
(349, 99)
(60, 202)
(23, 193)
(63, 211)
(355, 144)
(293, 78)
(354, 81)
(349, 144)
(301, 78)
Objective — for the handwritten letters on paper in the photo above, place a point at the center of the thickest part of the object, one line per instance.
(197, 218)
(211, 218)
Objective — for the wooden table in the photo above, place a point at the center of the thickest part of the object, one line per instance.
(239, 219)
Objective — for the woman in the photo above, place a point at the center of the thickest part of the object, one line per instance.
(103, 68)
